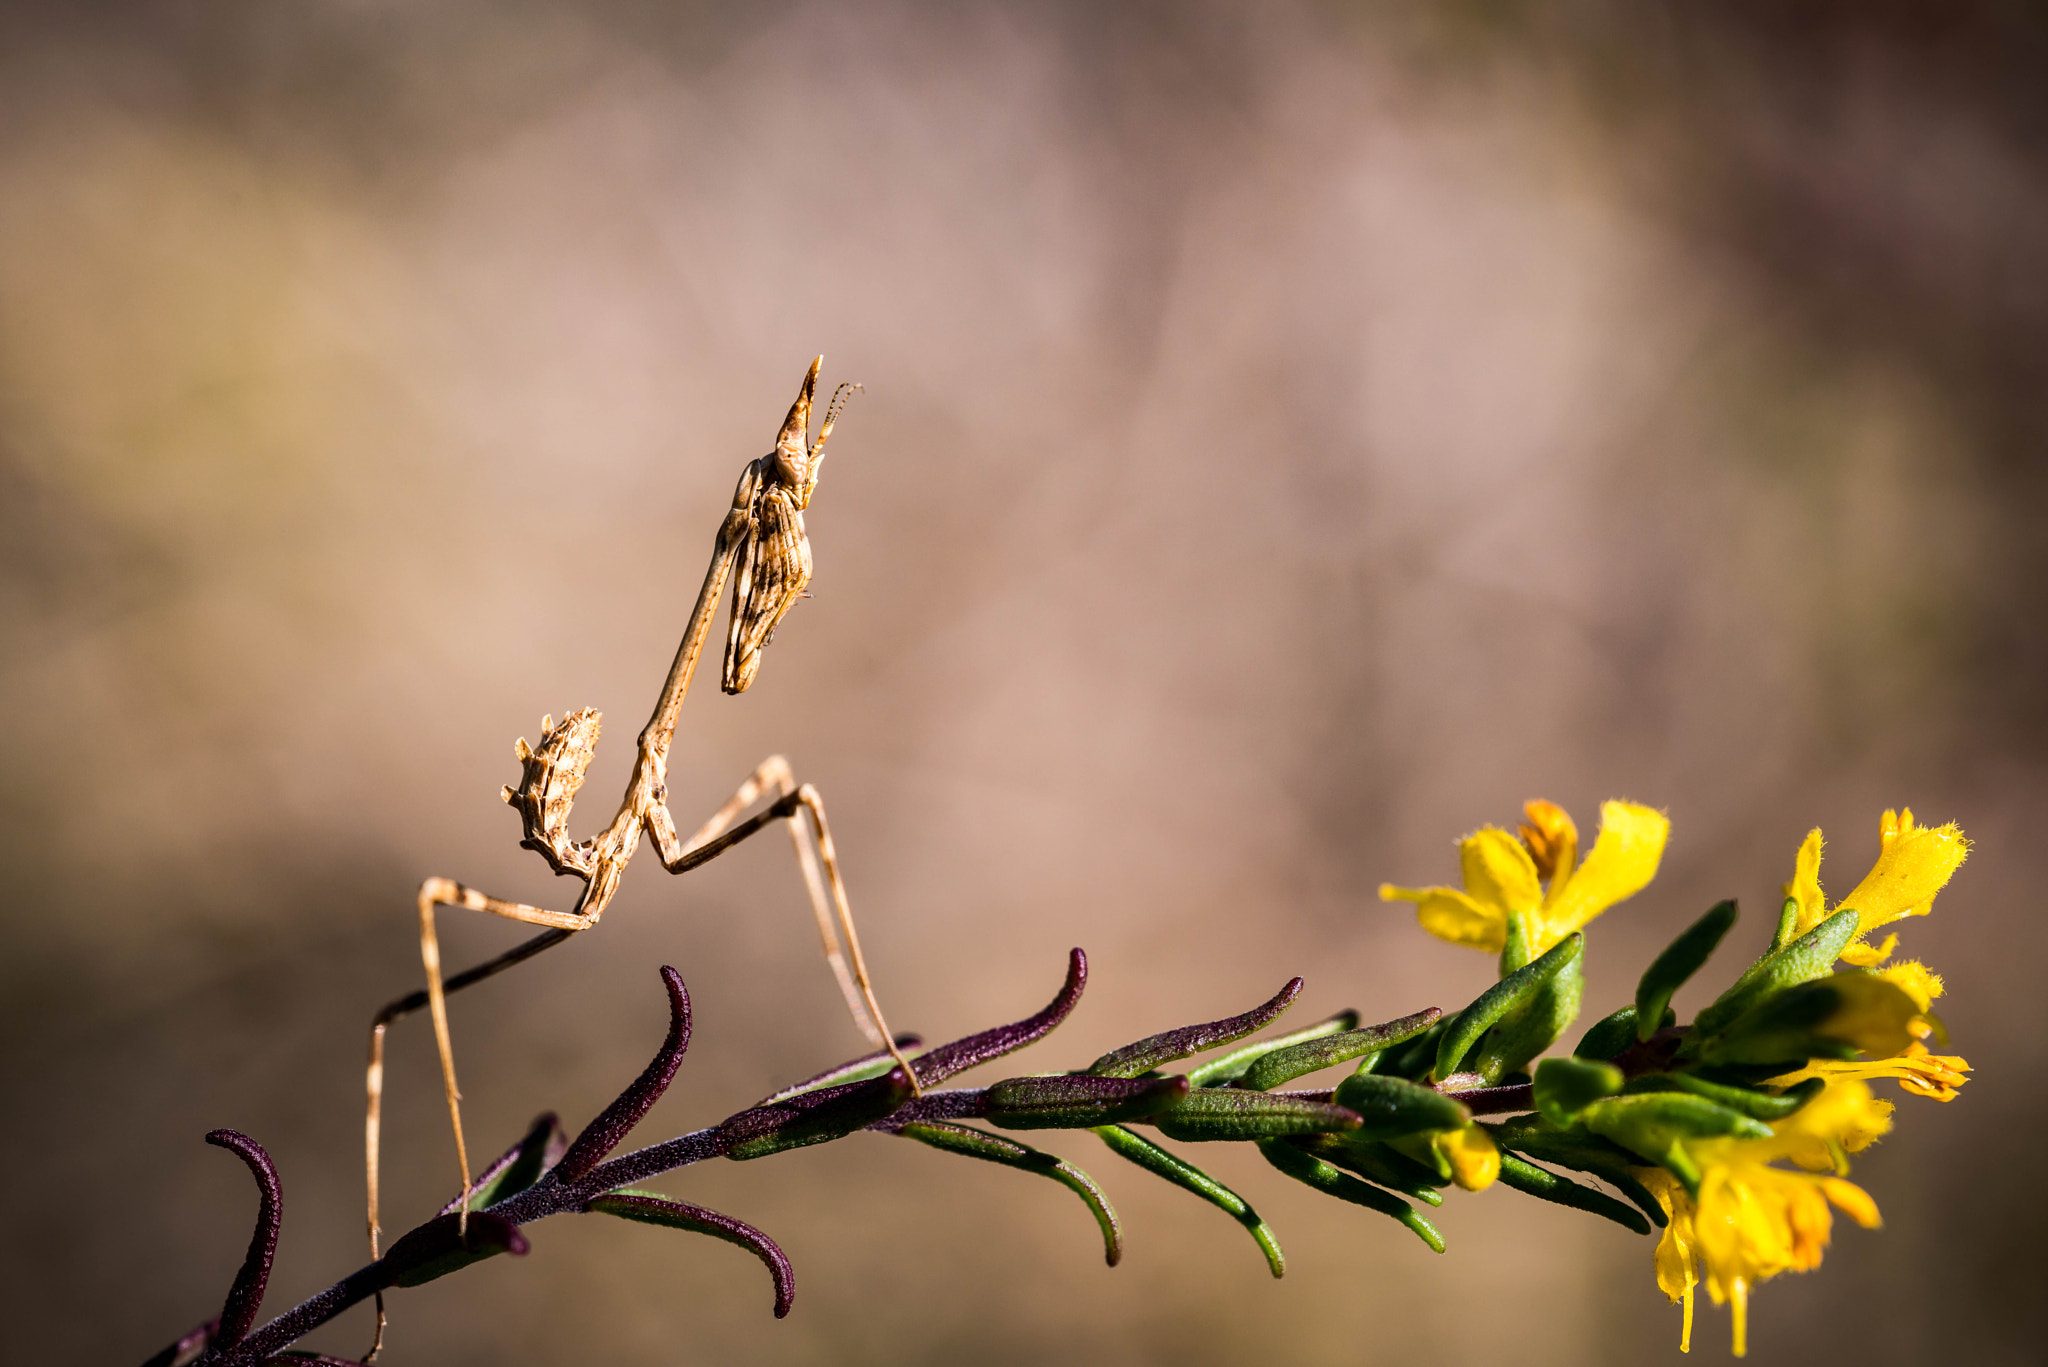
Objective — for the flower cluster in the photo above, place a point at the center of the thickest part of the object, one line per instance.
(1734, 1131)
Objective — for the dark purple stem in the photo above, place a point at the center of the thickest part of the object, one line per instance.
(245, 1297)
(1652, 1055)
(308, 1315)
(545, 1132)
(186, 1348)
(603, 1134)
(956, 1103)
(1497, 1100)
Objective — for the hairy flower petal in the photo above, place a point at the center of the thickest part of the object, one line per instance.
(1451, 915)
(1622, 862)
(1915, 863)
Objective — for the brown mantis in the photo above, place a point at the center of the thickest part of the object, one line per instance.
(762, 548)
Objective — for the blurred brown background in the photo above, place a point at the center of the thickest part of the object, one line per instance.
(1294, 435)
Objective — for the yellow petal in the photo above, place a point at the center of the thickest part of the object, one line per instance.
(1935, 1076)
(1805, 885)
(1863, 954)
(1470, 1151)
(1677, 1271)
(1915, 979)
(1499, 872)
(1914, 864)
(1853, 1201)
(1845, 1113)
(1871, 1013)
(1553, 840)
(1621, 863)
(1450, 915)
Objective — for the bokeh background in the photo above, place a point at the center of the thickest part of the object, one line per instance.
(1293, 436)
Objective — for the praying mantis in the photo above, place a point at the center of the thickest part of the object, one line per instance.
(762, 548)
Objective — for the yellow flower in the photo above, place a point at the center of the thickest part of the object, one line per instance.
(1474, 1160)
(1504, 877)
(1751, 1221)
(1934, 1076)
(1913, 863)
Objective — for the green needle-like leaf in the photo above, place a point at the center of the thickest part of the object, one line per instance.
(1531, 1026)
(1788, 917)
(1312, 1171)
(1652, 1123)
(1534, 1137)
(1136, 1148)
(1670, 970)
(1233, 1065)
(1078, 1101)
(1376, 1162)
(1546, 1185)
(1810, 956)
(1226, 1113)
(1297, 1060)
(1389, 1107)
(1142, 1057)
(1504, 996)
(1754, 1104)
(994, 1148)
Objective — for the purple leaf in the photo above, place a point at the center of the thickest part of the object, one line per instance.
(813, 1117)
(245, 1297)
(962, 1054)
(439, 1247)
(659, 1210)
(603, 1134)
